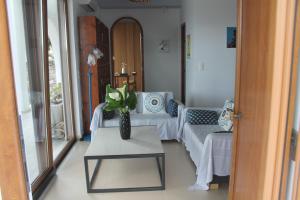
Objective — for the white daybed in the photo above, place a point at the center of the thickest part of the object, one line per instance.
(210, 150)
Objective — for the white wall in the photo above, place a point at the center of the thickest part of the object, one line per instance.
(161, 69)
(210, 73)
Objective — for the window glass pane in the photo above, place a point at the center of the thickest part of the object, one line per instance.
(58, 77)
(26, 33)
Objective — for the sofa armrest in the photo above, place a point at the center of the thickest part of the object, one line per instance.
(179, 102)
(97, 120)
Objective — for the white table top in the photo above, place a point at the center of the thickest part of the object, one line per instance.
(108, 142)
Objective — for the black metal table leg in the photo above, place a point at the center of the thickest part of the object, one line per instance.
(89, 183)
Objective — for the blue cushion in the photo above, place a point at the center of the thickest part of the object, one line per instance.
(172, 108)
(197, 117)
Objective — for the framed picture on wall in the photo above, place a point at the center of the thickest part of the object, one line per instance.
(231, 37)
(188, 46)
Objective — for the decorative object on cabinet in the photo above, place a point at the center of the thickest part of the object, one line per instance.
(188, 46)
(164, 46)
(93, 34)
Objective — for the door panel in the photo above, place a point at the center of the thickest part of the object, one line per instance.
(183, 61)
(34, 119)
(291, 170)
(62, 132)
(12, 176)
(127, 48)
(263, 70)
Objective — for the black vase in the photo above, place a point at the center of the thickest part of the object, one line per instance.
(125, 126)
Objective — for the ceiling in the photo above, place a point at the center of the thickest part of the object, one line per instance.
(117, 4)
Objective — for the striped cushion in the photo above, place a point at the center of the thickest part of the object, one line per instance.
(197, 117)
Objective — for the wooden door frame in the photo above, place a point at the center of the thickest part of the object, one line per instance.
(12, 173)
(291, 113)
(112, 47)
(39, 185)
(281, 57)
(47, 172)
(183, 63)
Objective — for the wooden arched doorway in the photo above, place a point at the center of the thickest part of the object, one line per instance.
(128, 52)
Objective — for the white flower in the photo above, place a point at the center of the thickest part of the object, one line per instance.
(91, 59)
(98, 54)
(115, 96)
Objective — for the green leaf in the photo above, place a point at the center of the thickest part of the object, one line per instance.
(112, 103)
(120, 99)
(132, 100)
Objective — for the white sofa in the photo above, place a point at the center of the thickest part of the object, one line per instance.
(167, 125)
(209, 147)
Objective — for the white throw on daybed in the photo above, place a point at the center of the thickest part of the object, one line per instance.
(167, 125)
(209, 147)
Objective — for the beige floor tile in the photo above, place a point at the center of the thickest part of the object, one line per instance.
(69, 184)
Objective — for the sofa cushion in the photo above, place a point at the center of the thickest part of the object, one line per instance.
(225, 117)
(172, 108)
(154, 103)
(140, 105)
(196, 117)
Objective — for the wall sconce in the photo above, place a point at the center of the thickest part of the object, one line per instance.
(164, 46)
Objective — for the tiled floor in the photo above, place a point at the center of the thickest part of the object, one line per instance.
(69, 184)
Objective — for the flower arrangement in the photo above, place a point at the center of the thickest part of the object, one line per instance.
(120, 99)
(123, 100)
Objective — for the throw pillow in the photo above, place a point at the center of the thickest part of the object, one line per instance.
(172, 108)
(197, 117)
(154, 103)
(225, 117)
(107, 115)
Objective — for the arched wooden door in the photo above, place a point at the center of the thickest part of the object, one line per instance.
(127, 51)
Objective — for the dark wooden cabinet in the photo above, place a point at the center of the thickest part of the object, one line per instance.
(93, 33)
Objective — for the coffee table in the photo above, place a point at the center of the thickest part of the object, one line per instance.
(107, 144)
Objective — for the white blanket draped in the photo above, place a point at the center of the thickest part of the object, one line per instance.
(211, 152)
(167, 126)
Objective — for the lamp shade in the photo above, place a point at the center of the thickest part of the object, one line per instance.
(91, 59)
(93, 56)
(98, 54)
